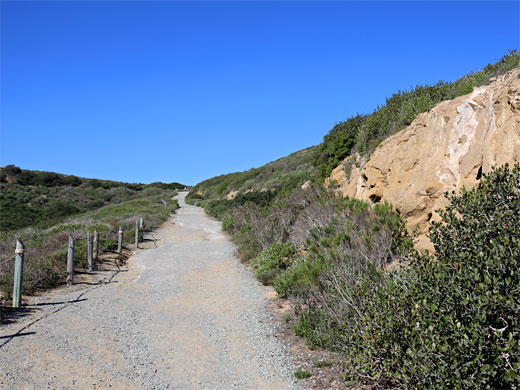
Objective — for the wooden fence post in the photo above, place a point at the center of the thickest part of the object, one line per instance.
(120, 241)
(70, 262)
(96, 245)
(136, 233)
(89, 251)
(18, 274)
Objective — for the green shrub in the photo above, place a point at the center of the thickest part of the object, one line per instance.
(469, 294)
(248, 245)
(451, 320)
(302, 276)
(272, 261)
(302, 374)
(321, 363)
(227, 223)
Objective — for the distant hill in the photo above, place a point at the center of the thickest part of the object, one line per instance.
(285, 173)
(39, 198)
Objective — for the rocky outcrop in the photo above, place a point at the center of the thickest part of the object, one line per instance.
(442, 150)
(232, 195)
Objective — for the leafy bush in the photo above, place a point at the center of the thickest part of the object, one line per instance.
(272, 261)
(303, 276)
(467, 323)
(248, 245)
(337, 144)
(302, 374)
(449, 320)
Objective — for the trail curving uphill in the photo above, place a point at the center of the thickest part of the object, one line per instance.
(185, 315)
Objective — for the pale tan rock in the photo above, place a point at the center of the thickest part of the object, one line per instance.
(442, 150)
(232, 195)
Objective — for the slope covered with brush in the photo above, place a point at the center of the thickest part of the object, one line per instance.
(43, 208)
(351, 271)
(42, 199)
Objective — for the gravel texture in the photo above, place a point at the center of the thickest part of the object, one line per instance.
(184, 315)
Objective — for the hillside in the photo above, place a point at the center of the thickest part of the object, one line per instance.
(284, 173)
(398, 318)
(442, 150)
(44, 208)
(356, 136)
(42, 199)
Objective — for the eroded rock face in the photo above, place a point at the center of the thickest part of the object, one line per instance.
(442, 150)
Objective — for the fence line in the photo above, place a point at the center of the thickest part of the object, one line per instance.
(93, 246)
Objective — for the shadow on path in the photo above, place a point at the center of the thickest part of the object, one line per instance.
(10, 314)
(12, 336)
(60, 303)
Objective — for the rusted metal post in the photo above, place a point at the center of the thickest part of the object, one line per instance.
(18, 274)
(120, 241)
(70, 262)
(89, 251)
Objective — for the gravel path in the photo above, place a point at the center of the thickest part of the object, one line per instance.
(185, 315)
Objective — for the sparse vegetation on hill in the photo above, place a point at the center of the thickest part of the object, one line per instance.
(281, 175)
(43, 213)
(42, 199)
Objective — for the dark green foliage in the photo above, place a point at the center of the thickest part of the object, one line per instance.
(451, 320)
(167, 186)
(466, 316)
(303, 275)
(363, 133)
(302, 374)
(273, 261)
(337, 144)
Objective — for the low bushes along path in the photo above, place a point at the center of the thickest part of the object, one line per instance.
(185, 315)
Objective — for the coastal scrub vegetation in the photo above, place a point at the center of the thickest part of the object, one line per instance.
(443, 320)
(43, 199)
(45, 210)
(447, 320)
(281, 175)
(400, 319)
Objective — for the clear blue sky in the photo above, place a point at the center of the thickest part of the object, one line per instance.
(184, 91)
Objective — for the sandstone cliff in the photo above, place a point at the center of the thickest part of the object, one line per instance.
(442, 150)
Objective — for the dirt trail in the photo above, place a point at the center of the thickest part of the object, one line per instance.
(185, 315)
